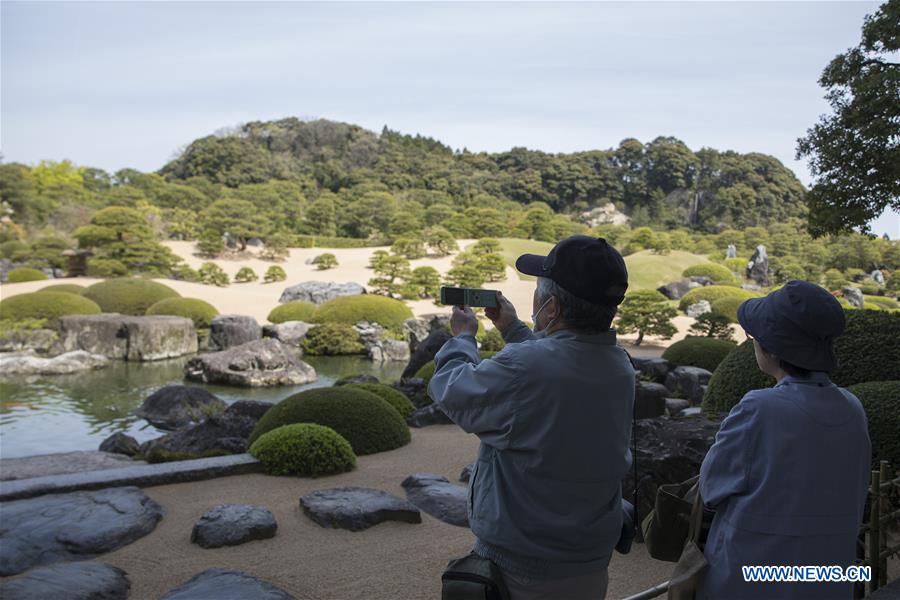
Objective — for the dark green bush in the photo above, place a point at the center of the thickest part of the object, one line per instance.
(296, 310)
(325, 261)
(369, 423)
(273, 274)
(106, 268)
(161, 455)
(881, 399)
(727, 307)
(736, 375)
(880, 303)
(245, 275)
(212, 274)
(198, 311)
(129, 296)
(304, 449)
(390, 395)
(46, 305)
(718, 273)
(711, 293)
(387, 312)
(68, 288)
(22, 274)
(427, 370)
(703, 352)
(332, 339)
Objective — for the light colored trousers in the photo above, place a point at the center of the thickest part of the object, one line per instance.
(583, 587)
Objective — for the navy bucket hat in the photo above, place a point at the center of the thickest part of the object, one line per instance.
(797, 323)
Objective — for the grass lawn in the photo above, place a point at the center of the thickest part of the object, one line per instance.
(512, 248)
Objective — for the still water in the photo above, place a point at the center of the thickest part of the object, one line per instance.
(63, 413)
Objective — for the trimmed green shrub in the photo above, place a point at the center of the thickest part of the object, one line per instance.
(369, 423)
(213, 274)
(106, 268)
(703, 352)
(727, 307)
(274, 273)
(161, 455)
(711, 293)
(718, 273)
(129, 296)
(332, 339)
(22, 274)
(296, 310)
(245, 275)
(426, 371)
(8, 249)
(492, 340)
(881, 399)
(304, 449)
(325, 261)
(387, 312)
(68, 288)
(46, 305)
(880, 302)
(736, 375)
(198, 311)
(390, 395)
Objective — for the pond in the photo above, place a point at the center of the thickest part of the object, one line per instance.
(64, 413)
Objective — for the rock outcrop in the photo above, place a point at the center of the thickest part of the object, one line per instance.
(63, 364)
(227, 331)
(126, 337)
(265, 362)
(356, 508)
(174, 406)
(291, 333)
(438, 497)
(319, 292)
(226, 432)
(233, 524)
(74, 581)
(425, 351)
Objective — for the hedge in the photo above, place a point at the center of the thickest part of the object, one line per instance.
(296, 310)
(736, 375)
(880, 302)
(881, 399)
(387, 312)
(22, 274)
(390, 395)
(198, 311)
(427, 370)
(106, 268)
(727, 307)
(304, 449)
(711, 293)
(332, 339)
(718, 273)
(68, 288)
(703, 352)
(46, 305)
(129, 296)
(369, 423)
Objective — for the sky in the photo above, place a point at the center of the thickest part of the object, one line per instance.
(115, 84)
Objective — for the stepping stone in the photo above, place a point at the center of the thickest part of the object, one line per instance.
(356, 508)
(233, 524)
(438, 497)
(75, 526)
(72, 581)
(221, 584)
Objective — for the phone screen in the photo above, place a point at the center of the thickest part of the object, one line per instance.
(456, 296)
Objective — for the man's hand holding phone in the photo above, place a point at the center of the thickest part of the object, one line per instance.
(503, 316)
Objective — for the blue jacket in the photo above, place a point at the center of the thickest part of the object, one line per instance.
(554, 418)
(788, 476)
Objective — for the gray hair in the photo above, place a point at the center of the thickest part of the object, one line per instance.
(577, 313)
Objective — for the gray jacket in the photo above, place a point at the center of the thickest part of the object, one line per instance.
(554, 418)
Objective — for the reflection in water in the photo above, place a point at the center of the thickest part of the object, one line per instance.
(63, 413)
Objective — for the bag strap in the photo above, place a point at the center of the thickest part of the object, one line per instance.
(696, 523)
(634, 461)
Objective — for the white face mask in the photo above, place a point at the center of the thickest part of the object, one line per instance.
(535, 315)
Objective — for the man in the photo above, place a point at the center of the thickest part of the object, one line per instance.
(553, 411)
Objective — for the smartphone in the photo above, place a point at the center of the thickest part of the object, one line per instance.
(468, 297)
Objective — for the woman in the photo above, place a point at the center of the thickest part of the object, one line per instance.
(789, 469)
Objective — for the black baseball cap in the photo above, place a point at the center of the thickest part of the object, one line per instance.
(584, 266)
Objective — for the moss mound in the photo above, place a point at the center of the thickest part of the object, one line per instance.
(22, 274)
(426, 371)
(881, 399)
(390, 395)
(718, 273)
(711, 293)
(198, 311)
(129, 296)
(46, 305)
(385, 311)
(304, 449)
(68, 288)
(369, 423)
(703, 352)
(296, 310)
(332, 339)
(727, 307)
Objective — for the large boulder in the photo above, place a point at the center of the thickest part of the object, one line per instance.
(649, 400)
(233, 524)
(28, 340)
(75, 526)
(174, 406)
(438, 497)
(120, 443)
(425, 351)
(854, 296)
(126, 337)
(226, 432)
(265, 362)
(291, 333)
(758, 267)
(690, 381)
(227, 331)
(72, 581)
(63, 364)
(428, 415)
(415, 389)
(222, 584)
(356, 508)
(699, 308)
(654, 369)
(378, 345)
(319, 292)
(419, 328)
(676, 289)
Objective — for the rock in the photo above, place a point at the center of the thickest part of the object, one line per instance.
(700, 280)
(758, 267)
(174, 406)
(28, 340)
(255, 242)
(690, 381)
(6, 266)
(415, 389)
(356, 508)
(428, 415)
(221, 584)
(425, 352)
(127, 338)
(438, 497)
(416, 331)
(699, 308)
(227, 432)
(61, 463)
(466, 473)
(72, 581)
(233, 524)
(649, 400)
(120, 443)
(669, 450)
(608, 213)
(676, 405)
(291, 333)
(654, 369)
(731, 252)
(75, 526)
(254, 409)
(319, 292)
(676, 289)
(877, 276)
(853, 295)
(260, 363)
(362, 378)
(70, 362)
(750, 287)
(389, 350)
(227, 331)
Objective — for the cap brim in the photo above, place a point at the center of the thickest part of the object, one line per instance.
(531, 264)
